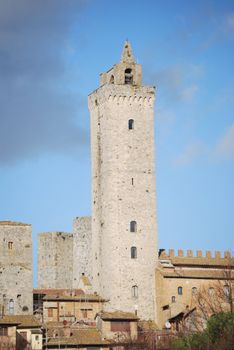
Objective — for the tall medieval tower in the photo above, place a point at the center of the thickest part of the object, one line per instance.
(124, 231)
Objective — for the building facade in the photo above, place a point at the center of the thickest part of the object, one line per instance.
(124, 231)
(15, 268)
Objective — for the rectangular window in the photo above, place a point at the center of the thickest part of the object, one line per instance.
(3, 331)
(120, 326)
(50, 312)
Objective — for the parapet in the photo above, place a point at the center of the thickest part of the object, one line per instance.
(189, 258)
(13, 223)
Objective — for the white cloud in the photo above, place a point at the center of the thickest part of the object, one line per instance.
(188, 93)
(190, 153)
(225, 145)
(230, 20)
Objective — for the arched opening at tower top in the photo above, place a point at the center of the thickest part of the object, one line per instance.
(128, 76)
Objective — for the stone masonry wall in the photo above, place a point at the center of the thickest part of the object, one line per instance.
(82, 242)
(16, 268)
(55, 260)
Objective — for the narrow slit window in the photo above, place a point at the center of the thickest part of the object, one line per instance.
(11, 307)
(133, 252)
(134, 291)
(133, 226)
(132, 181)
(10, 245)
(131, 124)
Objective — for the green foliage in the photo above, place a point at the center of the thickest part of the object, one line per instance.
(219, 334)
(220, 325)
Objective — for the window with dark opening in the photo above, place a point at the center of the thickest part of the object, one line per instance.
(173, 299)
(180, 290)
(112, 79)
(132, 181)
(128, 76)
(134, 291)
(133, 226)
(165, 307)
(10, 245)
(133, 252)
(131, 124)
(194, 291)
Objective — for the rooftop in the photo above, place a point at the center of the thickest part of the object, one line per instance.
(23, 321)
(118, 315)
(80, 297)
(77, 337)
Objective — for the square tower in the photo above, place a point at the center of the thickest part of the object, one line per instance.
(124, 230)
(15, 268)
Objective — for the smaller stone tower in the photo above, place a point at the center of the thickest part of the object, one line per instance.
(15, 268)
(55, 260)
(82, 245)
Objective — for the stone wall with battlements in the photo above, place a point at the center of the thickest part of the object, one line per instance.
(82, 245)
(180, 275)
(55, 260)
(16, 268)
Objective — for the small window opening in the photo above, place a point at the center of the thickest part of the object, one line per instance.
(128, 76)
(211, 291)
(165, 307)
(133, 226)
(132, 181)
(134, 291)
(173, 299)
(226, 291)
(194, 290)
(10, 245)
(180, 290)
(112, 79)
(133, 252)
(11, 307)
(131, 124)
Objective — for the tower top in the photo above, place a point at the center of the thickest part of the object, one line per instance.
(127, 55)
(126, 72)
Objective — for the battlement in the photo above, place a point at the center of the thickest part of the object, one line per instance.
(188, 257)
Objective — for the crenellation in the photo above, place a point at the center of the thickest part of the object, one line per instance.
(209, 257)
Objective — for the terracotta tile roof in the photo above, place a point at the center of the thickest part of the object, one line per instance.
(57, 291)
(13, 223)
(118, 315)
(77, 337)
(24, 321)
(81, 297)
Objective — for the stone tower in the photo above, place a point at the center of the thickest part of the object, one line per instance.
(55, 260)
(15, 268)
(124, 230)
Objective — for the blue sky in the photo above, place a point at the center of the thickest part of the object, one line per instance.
(51, 55)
